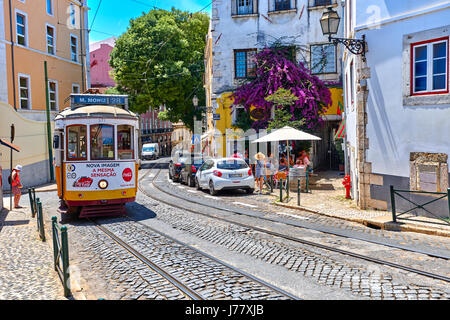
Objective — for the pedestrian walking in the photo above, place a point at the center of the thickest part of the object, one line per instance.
(16, 185)
(259, 167)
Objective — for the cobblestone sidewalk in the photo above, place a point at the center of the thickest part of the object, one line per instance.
(26, 268)
(327, 197)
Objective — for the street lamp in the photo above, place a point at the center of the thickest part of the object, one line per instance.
(195, 101)
(330, 24)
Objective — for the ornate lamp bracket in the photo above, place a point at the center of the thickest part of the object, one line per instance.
(355, 46)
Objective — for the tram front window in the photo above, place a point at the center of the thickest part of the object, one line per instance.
(76, 142)
(102, 142)
(125, 142)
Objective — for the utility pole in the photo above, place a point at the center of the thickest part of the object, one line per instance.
(49, 129)
(13, 133)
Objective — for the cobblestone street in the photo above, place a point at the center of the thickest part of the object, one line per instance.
(26, 268)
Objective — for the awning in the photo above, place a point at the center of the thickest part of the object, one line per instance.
(340, 133)
(9, 145)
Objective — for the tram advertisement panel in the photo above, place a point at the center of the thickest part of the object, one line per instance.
(95, 176)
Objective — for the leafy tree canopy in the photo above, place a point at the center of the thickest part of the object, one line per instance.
(159, 60)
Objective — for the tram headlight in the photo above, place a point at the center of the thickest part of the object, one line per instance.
(103, 184)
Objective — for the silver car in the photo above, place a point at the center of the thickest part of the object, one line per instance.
(225, 174)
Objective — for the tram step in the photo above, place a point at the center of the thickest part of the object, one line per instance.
(102, 211)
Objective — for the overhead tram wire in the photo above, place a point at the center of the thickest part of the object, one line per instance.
(95, 15)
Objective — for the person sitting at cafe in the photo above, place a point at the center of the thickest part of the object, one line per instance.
(283, 163)
(300, 164)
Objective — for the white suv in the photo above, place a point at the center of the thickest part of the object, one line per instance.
(225, 174)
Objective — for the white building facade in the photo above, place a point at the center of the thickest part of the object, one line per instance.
(397, 102)
(239, 28)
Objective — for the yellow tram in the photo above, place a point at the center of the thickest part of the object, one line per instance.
(96, 155)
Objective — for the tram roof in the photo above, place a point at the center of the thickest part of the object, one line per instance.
(95, 110)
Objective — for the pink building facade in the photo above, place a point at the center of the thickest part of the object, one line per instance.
(100, 69)
(154, 130)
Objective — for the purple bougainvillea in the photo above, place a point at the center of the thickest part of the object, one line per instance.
(275, 70)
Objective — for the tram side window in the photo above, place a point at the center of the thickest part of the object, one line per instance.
(102, 142)
(125, 142)
(76, 142)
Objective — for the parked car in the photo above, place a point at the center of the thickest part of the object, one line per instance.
(150, 151)
(225, 174)
(190, 169)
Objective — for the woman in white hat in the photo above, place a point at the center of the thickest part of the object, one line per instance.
(259, 167)
(16, 185)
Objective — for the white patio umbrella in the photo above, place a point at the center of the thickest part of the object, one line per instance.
(286, 134)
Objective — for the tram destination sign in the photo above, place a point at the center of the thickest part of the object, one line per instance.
(98, 99)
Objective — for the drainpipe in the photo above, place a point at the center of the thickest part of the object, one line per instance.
(82, 56)
(12, 56)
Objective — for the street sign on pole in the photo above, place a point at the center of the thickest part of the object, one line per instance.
(196, 139)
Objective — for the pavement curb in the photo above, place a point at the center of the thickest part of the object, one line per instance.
(384, 225)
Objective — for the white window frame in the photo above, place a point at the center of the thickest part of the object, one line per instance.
(51, 8)
(429, 74)
(25, 27)
(70, 44)
(72, 15)
(47, 25)
(28, 77)
(244, 8)
(56, 95)
(75, 85)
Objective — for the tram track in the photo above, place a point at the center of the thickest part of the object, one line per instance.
(188, 292)
(193, 294)
(279, 235)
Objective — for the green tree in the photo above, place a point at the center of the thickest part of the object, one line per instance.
(282, 99)
(159, 61)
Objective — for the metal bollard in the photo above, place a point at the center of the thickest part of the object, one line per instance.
(281, 189)
(40, 220)
(298, 192)
(287, 188)
(307, 182)
(55, 241)
(394, 217)
(448, 198)
(34, 201)
(30, 195)
(65, 261)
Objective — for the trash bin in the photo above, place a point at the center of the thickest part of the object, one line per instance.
(294, 175)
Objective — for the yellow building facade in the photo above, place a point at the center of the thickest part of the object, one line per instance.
(224, 126)
(38, 31)
(33, 32)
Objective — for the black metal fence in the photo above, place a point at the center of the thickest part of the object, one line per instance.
(61, 254)
(399, 193)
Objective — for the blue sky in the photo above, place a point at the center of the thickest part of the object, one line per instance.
(114, 15)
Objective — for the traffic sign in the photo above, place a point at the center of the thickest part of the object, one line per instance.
(196, 139)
